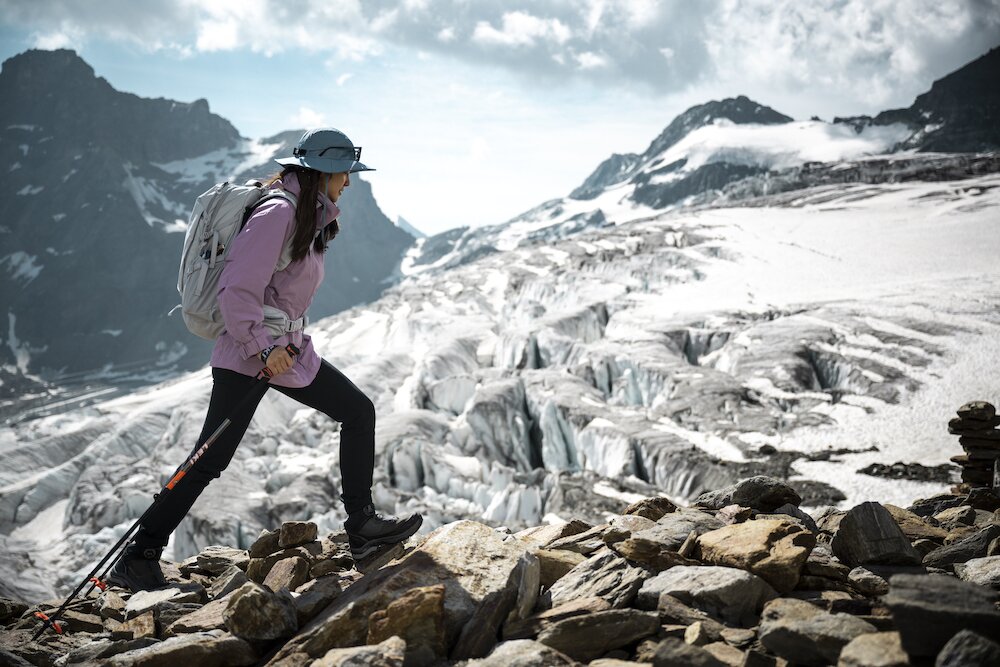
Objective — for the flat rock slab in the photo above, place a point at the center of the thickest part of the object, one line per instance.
(869, 535)
(534, 625)
(205, 649)
(674, 652)
(524, 653)
(588, 637)
(144, 601)
(604, 575)
(209, 617)
(803, 633)
(878, 649)
(217, 559)
(728, 594)
(541, 536)
(672, 529)
(930, 609)
(470, 559)
(390, 653)
(915, 527)
(774, 550)
(973, 546)
(983, 571)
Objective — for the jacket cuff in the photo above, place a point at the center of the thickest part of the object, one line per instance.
(255, 346)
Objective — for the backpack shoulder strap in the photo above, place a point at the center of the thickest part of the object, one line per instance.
(286, 252)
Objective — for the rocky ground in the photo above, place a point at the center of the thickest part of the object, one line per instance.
(741, 577)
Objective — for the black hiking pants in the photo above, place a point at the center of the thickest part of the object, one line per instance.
(330, 392)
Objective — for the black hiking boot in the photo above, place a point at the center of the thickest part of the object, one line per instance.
(138, 570)
(369, 530)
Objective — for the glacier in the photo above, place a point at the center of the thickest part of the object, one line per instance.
(553, 378)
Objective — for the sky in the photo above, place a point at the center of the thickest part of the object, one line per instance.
(473, 111)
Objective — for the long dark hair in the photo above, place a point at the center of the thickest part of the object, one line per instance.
(310, 181)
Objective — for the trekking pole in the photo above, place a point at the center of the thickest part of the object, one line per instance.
(51, 621)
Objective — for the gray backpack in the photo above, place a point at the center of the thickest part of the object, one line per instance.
(218, 216)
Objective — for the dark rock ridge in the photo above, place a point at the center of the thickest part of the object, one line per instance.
(98, 187)
(959, 114)
(745, 587)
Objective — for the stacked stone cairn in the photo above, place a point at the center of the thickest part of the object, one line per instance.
(976, 428)
(743, 577)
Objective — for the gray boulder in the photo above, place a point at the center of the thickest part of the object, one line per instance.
(205, 649)
(877, 649)
(258, 614)
(974, 546)
(930, 609)
(968, 649)
(389, 653)
(869, 534)
(764, 494)
(604, 575)
(672, 529)
(588, 637)
(982, 571)
(523, 653)
(728, 594)
(802, 633)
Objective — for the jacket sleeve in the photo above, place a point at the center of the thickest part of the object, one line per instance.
(248, 271)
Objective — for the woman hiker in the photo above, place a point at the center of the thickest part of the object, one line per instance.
(317, 173)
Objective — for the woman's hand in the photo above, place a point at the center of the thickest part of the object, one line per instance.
(279, 361)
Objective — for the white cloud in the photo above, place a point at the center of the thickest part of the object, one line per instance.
(855, 50)
(64, 38)
(521, 29)
(343, 78)
(590, 60)
(309, 119)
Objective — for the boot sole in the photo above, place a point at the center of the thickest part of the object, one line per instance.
(372, 546)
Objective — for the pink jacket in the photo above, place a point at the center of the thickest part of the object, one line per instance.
(249, 281)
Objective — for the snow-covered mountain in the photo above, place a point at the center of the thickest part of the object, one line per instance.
(96, 193)
(734, 148)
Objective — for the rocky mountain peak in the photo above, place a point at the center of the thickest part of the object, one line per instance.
(59, 93)
(739, 110)
(620, 167)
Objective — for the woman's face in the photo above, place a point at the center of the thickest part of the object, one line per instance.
(335, 185)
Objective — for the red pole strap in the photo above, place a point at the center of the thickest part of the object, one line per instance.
(55, 626)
